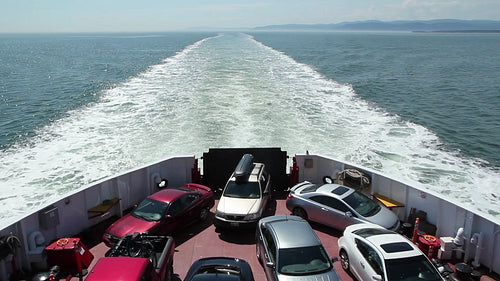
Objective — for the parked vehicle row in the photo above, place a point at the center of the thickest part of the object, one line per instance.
(286, 245)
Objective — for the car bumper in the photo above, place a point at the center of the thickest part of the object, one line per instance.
(241, 224)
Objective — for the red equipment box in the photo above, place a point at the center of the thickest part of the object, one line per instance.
(429, 244)
(69, 253)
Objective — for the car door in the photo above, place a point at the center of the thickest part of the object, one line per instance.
(333, 212)
(191, 207)
(180, 211)
(366, 263)
(267, 252)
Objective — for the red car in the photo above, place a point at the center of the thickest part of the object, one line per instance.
(164, 212)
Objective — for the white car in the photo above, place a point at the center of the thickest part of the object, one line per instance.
(371, 252)
(245, 195)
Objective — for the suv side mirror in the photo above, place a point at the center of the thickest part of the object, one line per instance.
(377, 277)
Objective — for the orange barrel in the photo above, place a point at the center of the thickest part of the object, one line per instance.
(426, 241)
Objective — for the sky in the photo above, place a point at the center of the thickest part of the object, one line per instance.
(180, 15)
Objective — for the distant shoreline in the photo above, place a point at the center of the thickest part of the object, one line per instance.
(439, 26)
(457, 31)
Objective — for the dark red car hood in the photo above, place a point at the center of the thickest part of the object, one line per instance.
(130, 224)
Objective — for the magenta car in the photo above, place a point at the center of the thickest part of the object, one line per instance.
(164, 212)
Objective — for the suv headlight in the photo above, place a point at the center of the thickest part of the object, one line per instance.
(252, 216)
(219, 214)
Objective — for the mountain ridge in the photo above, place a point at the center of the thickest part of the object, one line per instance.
(398, 25)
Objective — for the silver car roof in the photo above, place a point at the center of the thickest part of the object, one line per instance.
(291, 231)
(327, 189)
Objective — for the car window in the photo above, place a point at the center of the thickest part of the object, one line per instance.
(362, 204)
(371, 256)
(331, 202)
(271, 245)
(311, 188)
(175, 207)
(189, 199)
(150, 210)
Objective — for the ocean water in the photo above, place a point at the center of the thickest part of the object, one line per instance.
(74, 108)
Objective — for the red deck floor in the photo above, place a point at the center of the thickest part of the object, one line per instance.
(200, 240)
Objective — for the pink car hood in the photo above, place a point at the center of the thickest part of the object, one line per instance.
(130, 224)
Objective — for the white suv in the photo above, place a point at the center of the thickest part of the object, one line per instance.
(245, 195)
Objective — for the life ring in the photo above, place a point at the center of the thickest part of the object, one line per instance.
(61, 242)
(429, 238)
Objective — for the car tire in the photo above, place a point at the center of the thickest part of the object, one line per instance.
(300, 212)
(344, 261)
(203, 213)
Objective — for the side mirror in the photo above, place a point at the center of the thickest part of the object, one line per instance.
(377, 277)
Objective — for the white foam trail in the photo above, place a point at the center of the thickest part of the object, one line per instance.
(230, 91)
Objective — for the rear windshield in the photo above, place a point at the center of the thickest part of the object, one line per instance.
(303, 261)
(310, 188)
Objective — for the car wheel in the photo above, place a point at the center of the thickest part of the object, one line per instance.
(344, 260)
(204, 213)
(300, 212)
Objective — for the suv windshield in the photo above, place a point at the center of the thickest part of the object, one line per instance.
(303, 261)
(242, 190)
(362, 204)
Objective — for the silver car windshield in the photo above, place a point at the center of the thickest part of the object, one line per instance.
(303, 261)
(242, 190)
(414, 268)
(362, 204)
(150, 210)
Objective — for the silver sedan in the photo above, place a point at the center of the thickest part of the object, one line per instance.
(338, 206)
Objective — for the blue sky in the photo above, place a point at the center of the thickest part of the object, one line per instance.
(167, 15)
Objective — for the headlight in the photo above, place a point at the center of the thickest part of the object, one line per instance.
(252, 216)
(219, 214)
